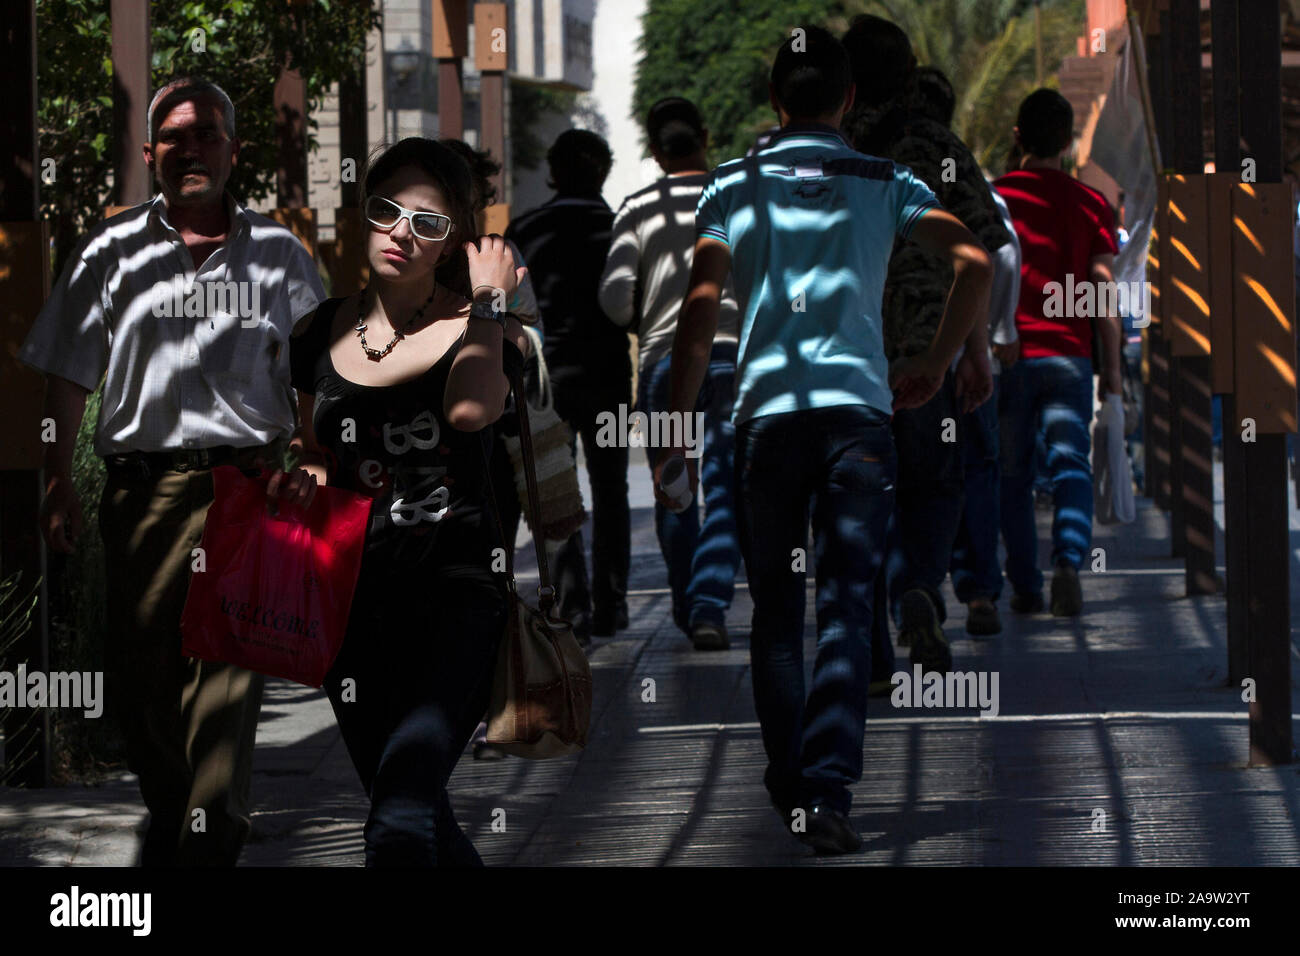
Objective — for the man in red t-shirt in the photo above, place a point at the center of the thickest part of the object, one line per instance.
(1067, 242)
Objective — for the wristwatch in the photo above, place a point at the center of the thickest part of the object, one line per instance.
(484, 310)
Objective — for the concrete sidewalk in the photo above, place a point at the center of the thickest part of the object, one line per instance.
(1116, 743)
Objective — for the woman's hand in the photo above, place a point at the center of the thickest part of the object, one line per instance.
(300, 489)
(492, 264)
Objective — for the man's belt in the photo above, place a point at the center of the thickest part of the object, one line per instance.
(151, 464)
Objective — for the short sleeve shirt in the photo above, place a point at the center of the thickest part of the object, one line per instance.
(916, 292)
(1062, 225)
(810, 223)
(649, 266)
(190, 359)
(393, 444)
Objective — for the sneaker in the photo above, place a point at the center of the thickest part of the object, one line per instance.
(481, 748)
(709, 636)
(982, 618)
(829, 831)
(1067, 597)
(921, 626)
(904, 637)
(1027, 603)
(485, 751)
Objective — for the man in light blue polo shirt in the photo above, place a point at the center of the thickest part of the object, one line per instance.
(806, 226)
(815, 213)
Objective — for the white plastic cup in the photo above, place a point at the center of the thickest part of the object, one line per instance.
(675, 483)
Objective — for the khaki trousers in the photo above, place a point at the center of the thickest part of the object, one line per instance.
(189, 725)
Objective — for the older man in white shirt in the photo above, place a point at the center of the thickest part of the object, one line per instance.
(183, 306)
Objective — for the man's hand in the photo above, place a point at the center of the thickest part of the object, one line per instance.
(915, 380)
(1112, 383)
(300, 489)
(692, 472)
(974, 379)
(1007, 355)
(60, 516)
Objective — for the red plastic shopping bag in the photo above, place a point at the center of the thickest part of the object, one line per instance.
(274, 591)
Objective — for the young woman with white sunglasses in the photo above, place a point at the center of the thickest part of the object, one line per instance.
(398, 387)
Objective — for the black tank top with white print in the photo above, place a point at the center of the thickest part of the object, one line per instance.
(393, 444)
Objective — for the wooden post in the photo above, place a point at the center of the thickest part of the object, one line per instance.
(301, 222)
(290, 97)
(1176, 122)
(1189, 327)
(352, 129)
(24, 282)
(350, 270)
(347, 263)
(1267, 578)
(1157, 397)
(490, 58)
(291, 114)
(131, 95)
(1173, 422)
(450, 46)
(1156, 438)
(496, 218)
(1227, 160)
(1149, 357)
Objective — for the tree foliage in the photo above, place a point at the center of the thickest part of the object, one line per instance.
(987, 49)
(529, 102)
(718, 54)
(17, 615)
(240, 45)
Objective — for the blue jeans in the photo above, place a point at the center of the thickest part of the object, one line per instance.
(702, 559)
(843, 455)
(974, 567)
(931, 486)
(1051, 397)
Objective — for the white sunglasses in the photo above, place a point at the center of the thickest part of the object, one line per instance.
(386, 214)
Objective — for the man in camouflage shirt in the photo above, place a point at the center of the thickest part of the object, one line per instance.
(927, 512)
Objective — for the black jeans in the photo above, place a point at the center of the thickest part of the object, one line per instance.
(578, 400)
(931, 490)
(843, 457)
(408, 688)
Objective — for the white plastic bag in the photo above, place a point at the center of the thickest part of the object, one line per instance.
(1112, 476)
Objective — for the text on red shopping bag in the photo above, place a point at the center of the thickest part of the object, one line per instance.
(276, 591)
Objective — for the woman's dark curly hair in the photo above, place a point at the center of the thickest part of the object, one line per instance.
(482, 167)
(453, 178)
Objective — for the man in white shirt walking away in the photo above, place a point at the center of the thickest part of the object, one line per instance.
(643, 287)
